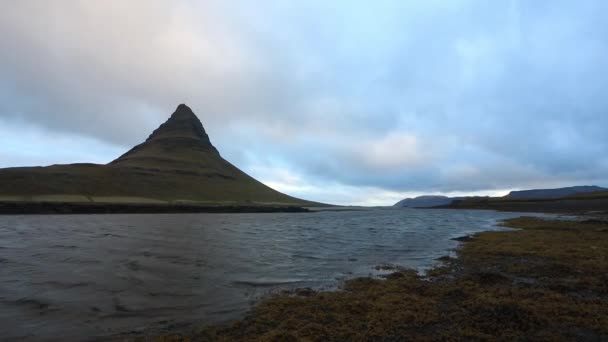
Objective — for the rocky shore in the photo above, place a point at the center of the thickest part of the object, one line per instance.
(545, 280)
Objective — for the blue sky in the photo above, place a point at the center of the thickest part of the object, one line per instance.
(349, 102)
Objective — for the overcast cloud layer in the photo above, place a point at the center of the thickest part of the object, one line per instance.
(341, 101)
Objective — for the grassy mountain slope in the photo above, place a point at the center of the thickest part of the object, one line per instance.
(177, 163)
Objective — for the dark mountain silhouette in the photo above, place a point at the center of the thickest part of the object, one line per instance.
(176, 164)
(424, 202)
(429, 201)
(554, 193)
(179, 142)
(574, 200)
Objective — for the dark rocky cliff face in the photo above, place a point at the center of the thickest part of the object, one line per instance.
(181, 139)
(182, 124)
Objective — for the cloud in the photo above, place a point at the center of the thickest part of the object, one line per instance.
(394, 96)
(27, 145)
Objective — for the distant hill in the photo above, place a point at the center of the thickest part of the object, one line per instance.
(575, 199)
(555, 193)
(573, 203)
(176, 164)
(430, 201)
(424, 202)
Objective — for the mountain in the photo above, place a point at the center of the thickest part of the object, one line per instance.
(430, 201)
(424, 202)
(554, 193)
(176, 164)
(571, 200)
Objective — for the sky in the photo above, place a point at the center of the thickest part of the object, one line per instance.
(345, 102)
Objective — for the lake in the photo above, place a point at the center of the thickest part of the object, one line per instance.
(78, 277)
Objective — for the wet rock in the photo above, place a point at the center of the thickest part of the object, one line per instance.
(304, 292)
(465, 238)
(445, 258)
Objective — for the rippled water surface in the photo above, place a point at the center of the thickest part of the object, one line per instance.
(85, 276)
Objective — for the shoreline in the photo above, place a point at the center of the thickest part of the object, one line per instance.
(576, 206)
(545, 279)
(71, 208)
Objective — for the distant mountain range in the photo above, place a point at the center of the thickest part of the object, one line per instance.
(443, 201)
(553, 193)
(428, 201)
(176, 164)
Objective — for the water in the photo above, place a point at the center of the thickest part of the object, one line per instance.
(87, 276)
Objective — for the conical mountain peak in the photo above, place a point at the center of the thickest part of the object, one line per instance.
(183, 113)
(183, 124)
(180, 142)
(176, 165)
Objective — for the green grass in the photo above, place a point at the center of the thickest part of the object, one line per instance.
(60, 198)
(210, 184)
(15, 198)
(117, 199)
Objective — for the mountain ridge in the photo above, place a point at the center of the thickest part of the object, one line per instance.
(429, 201)
(556, 192)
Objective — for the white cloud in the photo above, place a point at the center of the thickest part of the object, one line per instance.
(21, 146)
(385, 97)
(394, 150)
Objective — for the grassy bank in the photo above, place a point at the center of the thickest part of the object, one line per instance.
(46, 208)
(546, 281)
(575, 204)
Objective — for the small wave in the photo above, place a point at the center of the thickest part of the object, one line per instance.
(310, 257)
(33, 303)
(174, 259)
(401, 250)
(65, 246)
(112, 235)
(72, 260)
(169, 294)
(133, 265)
(266, 283)
(58, 284)
(120, 307)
